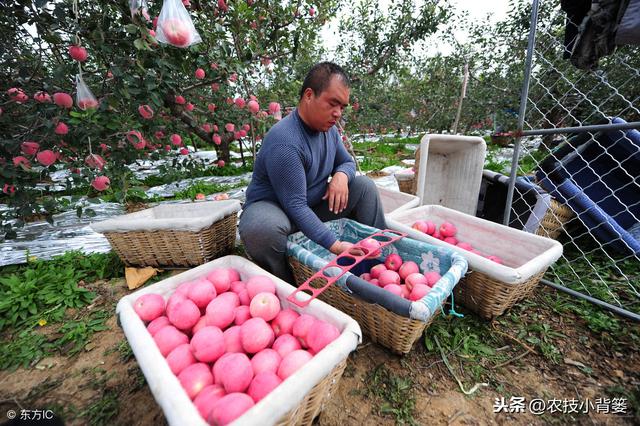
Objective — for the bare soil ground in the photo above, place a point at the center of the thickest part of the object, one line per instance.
(103, 384)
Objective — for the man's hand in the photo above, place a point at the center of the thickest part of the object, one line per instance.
(337, 192)
(340, 246)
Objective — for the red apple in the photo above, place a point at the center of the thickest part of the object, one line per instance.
(377, 270)
(448, 229)
(408, 268)
(176, 32)
(393, 262)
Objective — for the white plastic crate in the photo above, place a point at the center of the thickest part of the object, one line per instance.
(524, 254)
(396, 201)
(164, 385)
(449, 171)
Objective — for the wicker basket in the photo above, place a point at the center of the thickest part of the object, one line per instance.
(177, 249)
(312, 404)
(406, 185)
(489, 289)
(299, 399)
(489, 297)
(391, 330)
(554, 220)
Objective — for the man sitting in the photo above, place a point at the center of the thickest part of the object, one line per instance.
(289, 189)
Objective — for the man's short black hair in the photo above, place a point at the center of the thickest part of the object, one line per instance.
(319, 76)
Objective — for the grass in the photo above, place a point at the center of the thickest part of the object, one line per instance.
(51, 293)
(102, 410)
(378, 155)
(106, 406)
(43, 290)
(394, 392)
(169, 174)
(468, 342)
(125, 353)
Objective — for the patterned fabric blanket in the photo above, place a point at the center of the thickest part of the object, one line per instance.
(450, 265)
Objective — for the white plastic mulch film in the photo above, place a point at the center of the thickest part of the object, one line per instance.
(175, 26)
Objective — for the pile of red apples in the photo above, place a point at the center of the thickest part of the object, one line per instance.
(447, 232)
(229, 342)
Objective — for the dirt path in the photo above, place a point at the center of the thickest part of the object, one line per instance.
(103, 384)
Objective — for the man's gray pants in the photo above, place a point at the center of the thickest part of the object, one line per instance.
(264, 226)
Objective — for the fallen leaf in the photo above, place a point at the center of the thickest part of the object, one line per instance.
(569, 361)
(135, 277)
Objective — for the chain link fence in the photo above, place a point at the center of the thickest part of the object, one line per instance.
(581, 145)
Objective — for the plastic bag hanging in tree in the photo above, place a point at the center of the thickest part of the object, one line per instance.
(175, 26)
(139, 6)
(84, 98)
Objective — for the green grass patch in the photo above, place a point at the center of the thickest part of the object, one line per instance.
(586, 268)
(491, 161)
(22, 349)
(193, 169)
(77, 333)
(41, 293)
(379, 155)
(125, 353)
(43, 290)
(395, 393)
(467, 341)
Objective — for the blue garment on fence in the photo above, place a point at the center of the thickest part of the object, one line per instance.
(292, 169)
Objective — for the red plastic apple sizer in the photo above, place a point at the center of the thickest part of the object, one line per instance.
(306, 292)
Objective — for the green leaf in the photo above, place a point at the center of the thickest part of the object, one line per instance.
(131, 28)
(140, 44)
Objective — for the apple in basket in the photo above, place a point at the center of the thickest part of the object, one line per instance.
(286, 344)
(375, 272)
(149, 307)
(233, 339)
(419, 291)
(413, 279)
(372, 245)
(424, 226)
(283, 322)
(393, 262)
(177, 32)
(226, 355)
(394, 288)
(265, 305)
(408, 268)
(448, 229)
(262, 384)
(389, 277)
(432, 278)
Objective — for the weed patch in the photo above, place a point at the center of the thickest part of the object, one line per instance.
(396, 393)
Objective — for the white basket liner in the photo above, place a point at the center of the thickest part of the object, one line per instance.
(176, 217)
(527, 253)
(450, 171)
(164, 385)
(396, 200)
